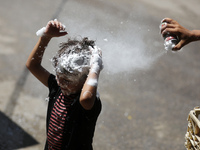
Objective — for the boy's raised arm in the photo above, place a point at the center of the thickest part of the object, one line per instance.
(33, 63)
(88, 94)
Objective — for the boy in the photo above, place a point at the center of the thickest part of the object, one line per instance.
(73, 105)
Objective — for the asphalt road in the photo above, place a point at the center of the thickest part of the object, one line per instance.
(146, 91)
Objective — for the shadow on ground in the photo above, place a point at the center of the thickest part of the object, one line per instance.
(12, 136)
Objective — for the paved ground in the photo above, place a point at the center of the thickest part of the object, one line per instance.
(146, 92)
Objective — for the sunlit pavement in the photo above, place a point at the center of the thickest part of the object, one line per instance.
(146, 91)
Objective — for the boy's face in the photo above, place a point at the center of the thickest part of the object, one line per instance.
(69, 84)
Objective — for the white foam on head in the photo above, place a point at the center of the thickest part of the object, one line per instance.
(74, 62)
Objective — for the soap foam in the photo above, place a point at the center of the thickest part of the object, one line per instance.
(74, 63)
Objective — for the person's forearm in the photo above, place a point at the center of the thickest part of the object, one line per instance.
(195, 35)
(89, 90)
(35, 58)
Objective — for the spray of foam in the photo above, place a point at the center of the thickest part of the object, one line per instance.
(133, 55)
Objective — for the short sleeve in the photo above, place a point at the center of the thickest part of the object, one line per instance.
(95, 111)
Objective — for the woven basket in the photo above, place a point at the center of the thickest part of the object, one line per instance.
(192, 135)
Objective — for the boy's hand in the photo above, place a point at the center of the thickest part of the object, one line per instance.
(96, 59)
(54, 28)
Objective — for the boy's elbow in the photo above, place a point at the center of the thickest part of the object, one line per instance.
(31, 67)
(87, 103)
(28, 65)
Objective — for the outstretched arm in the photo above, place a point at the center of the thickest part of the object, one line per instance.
(88, 94)
(33, 63)
(186, 36)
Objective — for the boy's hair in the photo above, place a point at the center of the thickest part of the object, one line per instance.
(73, 58)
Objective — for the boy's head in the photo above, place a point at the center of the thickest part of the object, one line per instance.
(72, 64)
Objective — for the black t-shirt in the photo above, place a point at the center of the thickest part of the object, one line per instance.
(80, 123)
